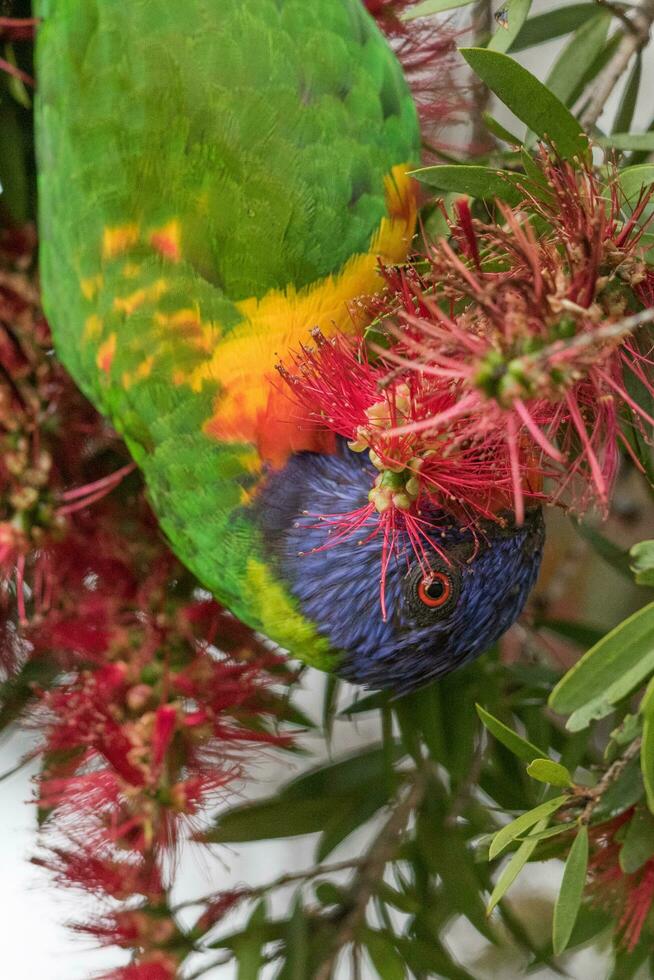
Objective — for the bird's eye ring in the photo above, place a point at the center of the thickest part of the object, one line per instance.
(435, 590)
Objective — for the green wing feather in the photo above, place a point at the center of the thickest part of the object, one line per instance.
(194, 157)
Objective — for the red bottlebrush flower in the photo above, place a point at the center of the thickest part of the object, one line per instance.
(628, 897)
(102, 872)
(533, 329)
(160, 969)
(157, 967)
(420, 471)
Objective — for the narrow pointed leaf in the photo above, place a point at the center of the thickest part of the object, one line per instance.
(476, 181)
(647, 744)
(635, 179)
(570, 68)
(249, 949)
(572, 888)
(642, 562)
(385, 958)
(638, 841)
(522, 823)
(625, 114)
(505, 35)
(553, 23)
(529, 100)
(513, 869)
(609, 671)
(519, 746)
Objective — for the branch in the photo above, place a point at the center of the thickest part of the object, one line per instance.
(595, 793)
(634, 41)
(382, 850)
(248, 893)
(608, 332)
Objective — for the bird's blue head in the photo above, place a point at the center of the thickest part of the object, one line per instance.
(478, 583)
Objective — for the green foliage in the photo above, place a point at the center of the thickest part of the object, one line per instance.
(617, 665)
(510, 25)
(529, 100)
(552, 24)
(568, 903)
(477, 181)
(642, 562)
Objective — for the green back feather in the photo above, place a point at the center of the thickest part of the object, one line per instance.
(267, 128)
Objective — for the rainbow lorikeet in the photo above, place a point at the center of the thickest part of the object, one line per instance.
(216, 178)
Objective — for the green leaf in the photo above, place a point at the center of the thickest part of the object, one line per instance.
(608, 672)
(314, 801)
(554, 23)
(385, 958)
(638, 842)
(330, 705)
(448, 855)
(345, 776)
(511, 740)
(249, 947)
(430, 959)
(17, 692)
(371, 702)
(273, 819)
(480, 182)
(640, 156)
(642, 562)
(628, 141)
(13, 163)
(513, 869)
(529, 100)
(549, 832)
(427, 703)
(505, 35)
(297, 966)
(353, 814)
(633, 180)
(624, 792)
(518, 826)
(647, 744)
(644, 399)
(15, 84)
(572, 888)
(571, 66)
(548, 771)
(626, 965)
(625, 114)
(328, 893)
(598, 64)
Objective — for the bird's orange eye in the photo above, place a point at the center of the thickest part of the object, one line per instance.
(435, 590)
